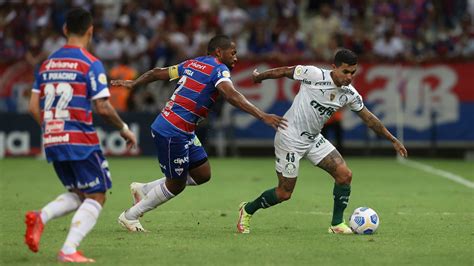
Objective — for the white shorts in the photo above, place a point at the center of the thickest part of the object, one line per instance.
(288, 156)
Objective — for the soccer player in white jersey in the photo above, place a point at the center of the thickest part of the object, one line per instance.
(322, 93)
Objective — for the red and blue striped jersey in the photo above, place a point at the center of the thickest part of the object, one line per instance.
(67, 82)
(194, 96)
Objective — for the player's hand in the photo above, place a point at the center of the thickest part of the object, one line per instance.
(129, 136)
(398, 146)
(122, 83)
(255, 77)
(275, 121)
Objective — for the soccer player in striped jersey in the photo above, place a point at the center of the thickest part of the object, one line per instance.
(322, 93)
(67, 85)
(182, 158)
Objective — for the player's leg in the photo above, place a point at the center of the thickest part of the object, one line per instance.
(173, 156)
(199, 172)
(325, 156)
(287, 165)
(93, 180)
(62, 205)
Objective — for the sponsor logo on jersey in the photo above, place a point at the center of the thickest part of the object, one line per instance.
(298, 70)
(197, 66)
(307, 82)
(309, 135)
(56, 139)
(323, 83)
(88, 185)
(181, 161)
(60, 65)
(321, 141)
(226, 74)
(323, 110)
(54, 126)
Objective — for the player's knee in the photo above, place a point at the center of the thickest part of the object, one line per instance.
(201, 179)
(99, 197)
(344, 176)
(283, 195)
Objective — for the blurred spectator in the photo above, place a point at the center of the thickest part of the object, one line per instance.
(119, 96)
(135, 46)
(108, 49)
(389, 46)
(53, 42)
(320, 29)
(232, 19)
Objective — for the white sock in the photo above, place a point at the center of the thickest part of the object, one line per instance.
(82, 223)
(149, 186)
(62, 205)
(155, 197)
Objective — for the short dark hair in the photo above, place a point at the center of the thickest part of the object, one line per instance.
(78, 21)
(345, 56)
(218, 41)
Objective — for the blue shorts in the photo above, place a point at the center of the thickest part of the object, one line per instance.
(178, 154)
(89, 176)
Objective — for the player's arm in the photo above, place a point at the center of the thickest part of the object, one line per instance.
(274, 73)
(157, 73)
(34, 107)
(374, 123)
(105, 109)
(238, 100)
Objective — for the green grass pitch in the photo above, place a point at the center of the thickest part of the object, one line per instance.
(425, 219)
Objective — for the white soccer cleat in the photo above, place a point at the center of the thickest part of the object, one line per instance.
(130, 225)
(137, 192)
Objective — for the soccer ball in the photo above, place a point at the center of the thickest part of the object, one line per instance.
(364, 220)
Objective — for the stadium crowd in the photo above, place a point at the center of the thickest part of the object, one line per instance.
(131, 37)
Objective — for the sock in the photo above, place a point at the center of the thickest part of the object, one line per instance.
(82, 223)
(341, 199)
(62, 205)
(157, 196)
(267, 199)
(149, 186)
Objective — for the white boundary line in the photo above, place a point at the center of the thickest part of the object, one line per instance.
(445, 174)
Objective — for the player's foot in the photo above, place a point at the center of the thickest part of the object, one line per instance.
(341, 228)
(74, 257)
(243, 224)
(130, 225)
(34, 229)
(137, 192)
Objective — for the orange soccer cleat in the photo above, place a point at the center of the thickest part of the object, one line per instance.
(34, 229)
(74, 257)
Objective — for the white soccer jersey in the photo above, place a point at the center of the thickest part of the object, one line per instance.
(318, 99)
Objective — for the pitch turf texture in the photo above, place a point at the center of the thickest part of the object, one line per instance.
(425, 219)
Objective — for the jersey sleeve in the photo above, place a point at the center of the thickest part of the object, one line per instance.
(308, 72)
(36, 88)
(97, 81)
(221, 73)
(356, 104)
(176, 71)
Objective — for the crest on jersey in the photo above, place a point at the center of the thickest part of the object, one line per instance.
(298, 70)
(290, 168)
(332, 96)
(343, 99)
(179, 171)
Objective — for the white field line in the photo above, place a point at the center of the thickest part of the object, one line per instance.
(445, 174)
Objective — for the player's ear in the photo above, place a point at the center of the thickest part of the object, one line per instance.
(218, 52)
(333, 66)
(65, 29)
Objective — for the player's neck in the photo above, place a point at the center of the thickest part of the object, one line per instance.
(333, 80)
(76, 41)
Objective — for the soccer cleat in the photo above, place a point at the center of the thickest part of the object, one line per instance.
(341, 228)
(130, 225)
(74, 257)
(34, 229)
(243, 224)
(137, 192)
